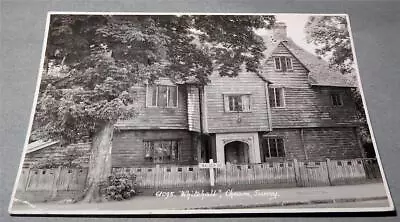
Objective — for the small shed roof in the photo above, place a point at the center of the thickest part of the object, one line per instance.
(39, 144)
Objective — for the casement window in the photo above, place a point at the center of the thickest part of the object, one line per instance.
(237, 103)
(283, 63)
(162, 96)
(161, 151)
(336, 99)
(273, 147)
(276, 97)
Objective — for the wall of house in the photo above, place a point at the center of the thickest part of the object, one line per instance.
(319, 143)
(77, 153)
(219, 121)
(157, 117)
(306, 106)
(333, 143)
(128, 147)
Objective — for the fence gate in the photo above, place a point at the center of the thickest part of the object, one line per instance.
(312, 174)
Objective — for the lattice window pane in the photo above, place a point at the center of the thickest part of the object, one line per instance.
(172, 100)
(277, 63)
(289, 63)
(162, 96)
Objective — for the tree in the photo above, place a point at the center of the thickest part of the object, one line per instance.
(330, 35)
(99, 58)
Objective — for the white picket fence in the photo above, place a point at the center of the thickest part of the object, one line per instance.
(286, 173)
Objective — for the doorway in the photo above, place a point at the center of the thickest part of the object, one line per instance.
(236, 152)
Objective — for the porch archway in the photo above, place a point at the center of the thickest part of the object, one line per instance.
(236, 152)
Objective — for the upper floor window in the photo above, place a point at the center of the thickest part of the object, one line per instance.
(336, 99)
(162, 96)
(273, 147)
(283, 63)
(237, 103)
(161, 151)
(276, 97)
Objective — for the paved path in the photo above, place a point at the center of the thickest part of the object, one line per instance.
(286, 197)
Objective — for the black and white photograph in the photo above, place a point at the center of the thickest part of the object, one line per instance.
(199, 113)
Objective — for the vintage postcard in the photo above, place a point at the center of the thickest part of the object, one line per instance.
(195, 113)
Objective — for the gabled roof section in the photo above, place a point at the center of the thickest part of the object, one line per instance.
(40, 144)
(320, 73)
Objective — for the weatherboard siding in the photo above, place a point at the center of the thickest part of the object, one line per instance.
(77, 153)
(313, 108)
(157, 117)
(306, 106)
(220, 121)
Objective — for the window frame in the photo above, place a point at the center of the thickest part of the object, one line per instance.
(280, 64)
(339, 99)
(267, 138)
(152, 158)
(283, 99)
(226, 102)
(148, 95)
(280, 58)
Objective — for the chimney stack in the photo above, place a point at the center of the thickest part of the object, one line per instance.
(279, 31)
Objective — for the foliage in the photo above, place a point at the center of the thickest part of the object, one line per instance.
(331, 36)
(120, 187)
(92, 62)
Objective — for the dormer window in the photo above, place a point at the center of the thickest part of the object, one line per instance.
(283, 63)
(336, 99)
(162, 96)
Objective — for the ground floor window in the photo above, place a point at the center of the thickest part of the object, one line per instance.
(162, 151)
(273, 147)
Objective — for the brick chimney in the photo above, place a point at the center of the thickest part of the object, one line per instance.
(279, 31)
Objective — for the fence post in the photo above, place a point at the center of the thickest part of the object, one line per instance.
(328, 163)
(157, 176)
(297, 175)
(27, 179)
(225, 170)
(54, 190)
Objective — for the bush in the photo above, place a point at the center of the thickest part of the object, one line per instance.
(121, 187)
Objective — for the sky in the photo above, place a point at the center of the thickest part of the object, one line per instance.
(295, 29)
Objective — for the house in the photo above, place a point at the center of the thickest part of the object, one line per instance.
(296, 108)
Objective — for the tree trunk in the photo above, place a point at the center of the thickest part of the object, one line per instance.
(100, 162)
